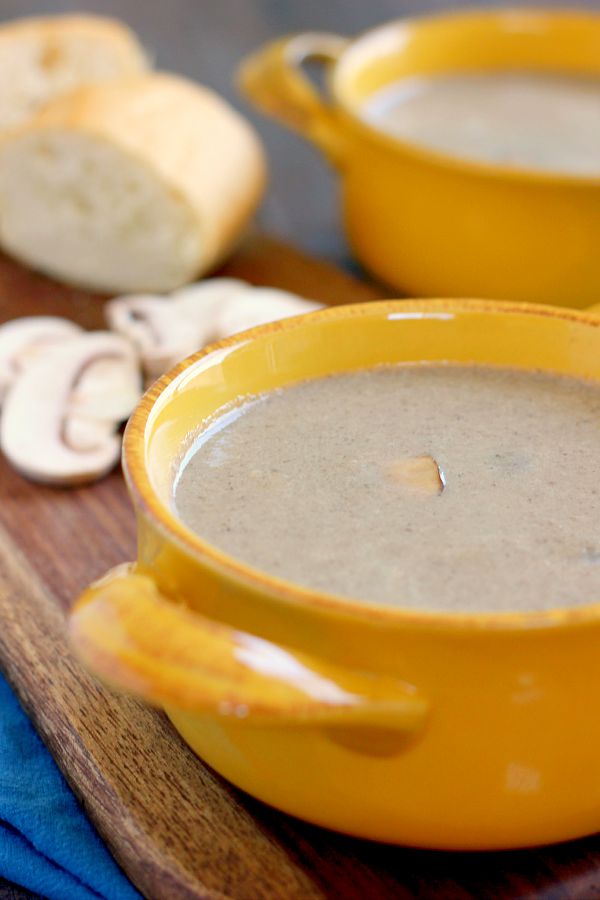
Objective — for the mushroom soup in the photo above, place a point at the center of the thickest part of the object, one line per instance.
(536, 120)
(443, 487)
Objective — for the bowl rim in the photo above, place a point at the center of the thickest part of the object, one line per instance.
(420, 152)
(205, 554)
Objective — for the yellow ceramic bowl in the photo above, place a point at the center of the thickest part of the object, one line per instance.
(430, 729)
(427, 223)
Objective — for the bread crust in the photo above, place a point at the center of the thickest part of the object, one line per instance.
(57, 31)
(201, 149)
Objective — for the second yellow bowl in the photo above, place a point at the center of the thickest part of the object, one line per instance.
(427, 223)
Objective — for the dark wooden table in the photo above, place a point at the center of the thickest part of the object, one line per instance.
(204, 39)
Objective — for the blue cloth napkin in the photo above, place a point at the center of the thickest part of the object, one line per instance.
(46, 843)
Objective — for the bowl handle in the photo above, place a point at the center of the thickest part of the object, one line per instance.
(273, 79)
(138, 641)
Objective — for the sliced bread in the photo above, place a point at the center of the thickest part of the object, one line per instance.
(136, 185)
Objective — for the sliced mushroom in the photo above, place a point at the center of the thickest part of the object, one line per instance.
(60, 418)
(152, 326)
(258, 306)
(420, 474)
(22, 340)
(108, 389)
(210, 294)
(106, 393)
(167, 329)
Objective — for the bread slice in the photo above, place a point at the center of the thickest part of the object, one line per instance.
(137, 185)
(41, 59)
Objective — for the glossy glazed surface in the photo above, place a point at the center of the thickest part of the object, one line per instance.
(426, 222)
(449, 731)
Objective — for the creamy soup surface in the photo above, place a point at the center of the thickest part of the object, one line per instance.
(542, 121)
(441, 487)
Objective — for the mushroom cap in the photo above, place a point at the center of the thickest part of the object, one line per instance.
(259, 306)
(23, 339)
(167, 329)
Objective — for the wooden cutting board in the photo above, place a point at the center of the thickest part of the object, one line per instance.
(177, 829)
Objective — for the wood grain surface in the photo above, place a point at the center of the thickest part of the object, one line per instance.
(179, 830)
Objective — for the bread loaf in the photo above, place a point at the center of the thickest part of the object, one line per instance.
(136, 185)
(41, 59)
